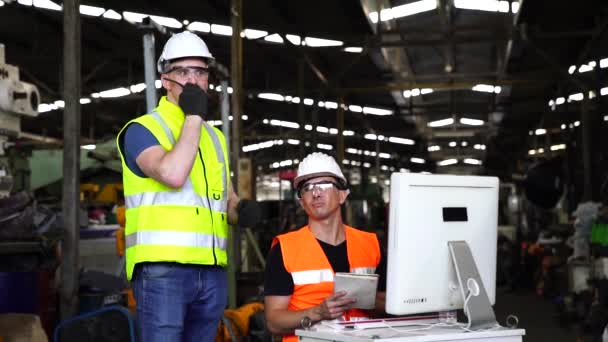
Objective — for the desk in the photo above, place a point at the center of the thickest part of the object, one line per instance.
(389, 335)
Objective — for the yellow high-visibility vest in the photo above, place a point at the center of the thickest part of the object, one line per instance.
(187, 225)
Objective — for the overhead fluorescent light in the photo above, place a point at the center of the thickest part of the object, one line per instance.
(136, 88)
(356, 109)
(89, 147)
(479, 146)
(199, 26)
(293, 141)
(572, 69)
(452, 144)
(603, 63)
(560, 100)
(403, 141)
(532, 152)
(371, 136)
(167, 22)
(353, 49)
(221, 30)
(134, 17)
(85, 100)
(309, 102)
(324, 146)
(376, 111)
(293, 39)
(605, 117)
(47, 4)
(441, 123)
(417, 160)
(117, 92)
(464, 144)
(271, 96)
(112, 14)
(274, 38)
(447, 162)
(320, 42)
(322, 129)
(253, 34)
(59, 103)
(331, 105)
(287, 124)
(486, 88)
(404, 10)
(576, 97)
(558, 147)
(540, 131)
(485, 5)
(471, 122)
(472, 161)
(91, 10)
(1, 3)
(433, 148)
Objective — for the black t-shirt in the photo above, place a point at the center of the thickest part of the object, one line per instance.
(278, 282)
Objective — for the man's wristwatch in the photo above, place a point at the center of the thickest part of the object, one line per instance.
(306, 322)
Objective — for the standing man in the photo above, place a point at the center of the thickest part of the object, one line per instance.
(179, 203)
(301, 264)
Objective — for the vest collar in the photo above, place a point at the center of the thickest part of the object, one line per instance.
(170, 111)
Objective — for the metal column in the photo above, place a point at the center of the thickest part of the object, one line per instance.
(71, 158)
(236, 70)
(150, 73)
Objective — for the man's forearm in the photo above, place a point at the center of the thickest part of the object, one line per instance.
(282, 322)
(178, 162)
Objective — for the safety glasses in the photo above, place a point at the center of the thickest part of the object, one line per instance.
(322, 187)
(184, 72)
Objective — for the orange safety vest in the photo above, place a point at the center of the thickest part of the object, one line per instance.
(313, 276)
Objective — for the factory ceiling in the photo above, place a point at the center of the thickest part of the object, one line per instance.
(424, 84)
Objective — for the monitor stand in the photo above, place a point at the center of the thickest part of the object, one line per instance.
(478, 308)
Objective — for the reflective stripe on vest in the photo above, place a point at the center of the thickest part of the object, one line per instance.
(186, 196)
(363, 270)
(312, 276)
(173, 238)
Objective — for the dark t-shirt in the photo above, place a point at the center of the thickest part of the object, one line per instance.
(137, 138)
(278, 282)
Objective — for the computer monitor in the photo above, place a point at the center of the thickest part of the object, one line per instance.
(427, 212)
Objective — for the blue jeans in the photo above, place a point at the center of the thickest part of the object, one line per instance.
(178, 302)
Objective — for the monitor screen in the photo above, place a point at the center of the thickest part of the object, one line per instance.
(426, 213)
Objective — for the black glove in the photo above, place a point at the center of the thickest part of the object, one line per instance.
(193, 100)
(249, 213)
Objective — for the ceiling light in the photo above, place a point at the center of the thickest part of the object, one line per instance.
(483, 5)
(403, 141)
(532, 152)
(293, 141)
(472, 161)
(117, 92)
(320, 42)
(353, 49)
(485, 88)
(558, 147)
(356, 109)
(221, 30)
(471, 122)
(200, 27)
(376, 111)
(441, 123)
(274, 38)
(47, 4)
(271, 96)
(576, 97)
(433, 148)
(134, 17)
(563, 126)
(112, 14)
(404, 10)
(136, 88)
(166, 21)
(309, 102)
(324, 146)
(254, 34)
(287, 124)
(25, 2)
(331, 105)
(452, 144)
(540, 131)
(293, 39)
(371, 136)
(560, 100)
(577, 123)
(417, 160)
(447, 162)
(85, 100)
(464, 144)
(91, 10)
(322, 129)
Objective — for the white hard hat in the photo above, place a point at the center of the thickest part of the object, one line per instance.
(180, 45)
(318, 164)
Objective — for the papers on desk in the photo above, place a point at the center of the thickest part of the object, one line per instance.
(362, 287)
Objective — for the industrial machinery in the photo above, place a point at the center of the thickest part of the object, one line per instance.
(17, 99)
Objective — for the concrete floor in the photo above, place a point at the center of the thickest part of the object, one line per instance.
(536, 314)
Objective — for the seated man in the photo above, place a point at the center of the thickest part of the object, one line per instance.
(301, 264)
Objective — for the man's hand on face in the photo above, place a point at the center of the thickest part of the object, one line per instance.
(193, 100)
